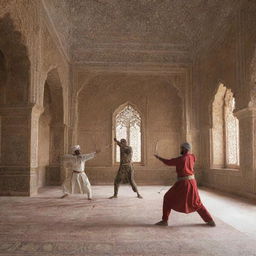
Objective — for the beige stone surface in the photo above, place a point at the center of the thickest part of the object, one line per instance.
(47, 225)
(231, 62)
(120, 30)
(160, 106)
(30, 52)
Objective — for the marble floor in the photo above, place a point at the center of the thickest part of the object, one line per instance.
(46, 225)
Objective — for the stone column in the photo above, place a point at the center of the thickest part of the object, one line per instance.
(15, 150)
(35, 116)
(54, 176)
(247, 139)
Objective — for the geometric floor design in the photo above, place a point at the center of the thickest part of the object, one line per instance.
(48, 226)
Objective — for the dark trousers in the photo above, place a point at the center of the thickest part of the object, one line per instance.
(125, 175)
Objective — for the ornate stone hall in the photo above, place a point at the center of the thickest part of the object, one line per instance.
(155, 72)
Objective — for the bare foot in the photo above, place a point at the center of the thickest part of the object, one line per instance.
(211, 223)
(162, 223)
(65, 195)
(112, 197)
(139, 196)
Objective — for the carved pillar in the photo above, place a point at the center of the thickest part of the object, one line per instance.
(247, 134)
(54, 175)
(36, 112)
(35, 115)
(74, 121)
(15, 150)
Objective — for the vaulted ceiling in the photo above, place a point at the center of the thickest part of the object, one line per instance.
(120, 30)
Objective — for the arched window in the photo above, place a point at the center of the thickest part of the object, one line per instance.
(128, 126)
(225, 130)
(232, 131)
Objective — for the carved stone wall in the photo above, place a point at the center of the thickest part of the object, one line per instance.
(158, 56)
(229, 61)
(14, 110)
(161, 110)
(30, 50)
(54, 69)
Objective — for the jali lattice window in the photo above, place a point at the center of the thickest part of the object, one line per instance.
(225, 130)
(232, 132)
(128, 126)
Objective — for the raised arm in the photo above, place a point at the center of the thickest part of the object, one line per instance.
(170, 162)
(90, 156)
(118, 142)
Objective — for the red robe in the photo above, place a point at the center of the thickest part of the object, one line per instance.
(183, 196)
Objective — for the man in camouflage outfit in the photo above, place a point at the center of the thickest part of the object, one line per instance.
(125, 172)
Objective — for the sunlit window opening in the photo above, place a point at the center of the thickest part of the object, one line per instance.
(232, 134)
(128, 126)
(225, 130)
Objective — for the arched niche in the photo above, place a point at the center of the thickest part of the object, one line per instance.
(17, 79)
(225, 130)
(14, 110)
(128, 124)
(14, 87)
(51, 132)
(161, 110)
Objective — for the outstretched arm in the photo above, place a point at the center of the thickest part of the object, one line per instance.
(117, 142)
(90, 156)
(170, 162)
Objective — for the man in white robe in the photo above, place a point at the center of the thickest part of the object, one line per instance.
(77, 181)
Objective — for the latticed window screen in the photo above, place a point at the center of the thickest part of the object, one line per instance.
(128, 126)
(232, 135)
(225, 132)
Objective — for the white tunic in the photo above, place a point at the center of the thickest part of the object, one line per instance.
(76, 180)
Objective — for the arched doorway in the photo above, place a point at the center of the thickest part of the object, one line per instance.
(127, 123)
(225, 130)
(51, 132)
(15, 112)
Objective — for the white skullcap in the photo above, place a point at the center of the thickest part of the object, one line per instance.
(186, 145)
(74, 148)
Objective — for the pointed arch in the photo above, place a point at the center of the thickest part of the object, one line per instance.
(225, 129)
(51, 131)
(127, 121)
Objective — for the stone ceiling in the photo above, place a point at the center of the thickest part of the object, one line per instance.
(100, 31)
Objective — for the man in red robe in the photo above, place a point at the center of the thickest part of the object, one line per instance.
(183, 196)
